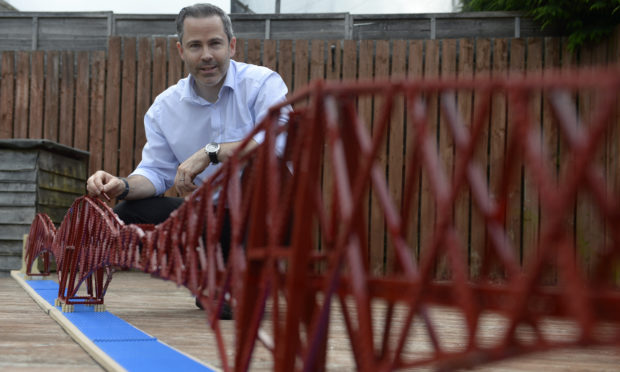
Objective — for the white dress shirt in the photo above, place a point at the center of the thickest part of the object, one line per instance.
(179, 122)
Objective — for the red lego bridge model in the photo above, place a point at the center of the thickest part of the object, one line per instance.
(300, 229)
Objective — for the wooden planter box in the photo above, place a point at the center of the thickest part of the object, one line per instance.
(35, 176)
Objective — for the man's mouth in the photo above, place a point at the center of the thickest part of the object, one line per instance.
(208, 68)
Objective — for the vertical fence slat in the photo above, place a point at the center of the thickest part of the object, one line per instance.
(497, 130)
(446, 143)
(550, 132)
(462, 212)
(317, 60)
(112, 105)
(415, 71)
(37, 84)
(253, 56)
(7, 96)
(159, 67)
(427, 203)
(397, 141)
(175, 71)
(128, 108)
(530, 215)
(300, 75)
(285, 63)
(584, 224)
(270, 54)
(97, 104)
(477, 229)
(66, 99)
(175, 64)
(50, 120)
(332, 72)
(569, 62)
(143, 100)
(514, 210)
(349, 60)
(317, 71)
(22, 83)
(80, 133)
(590, 233)
(240, 51)
(600, 57)
(364, 109)
(377, 219)
(613, 144)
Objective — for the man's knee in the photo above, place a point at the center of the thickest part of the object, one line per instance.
(147, 211)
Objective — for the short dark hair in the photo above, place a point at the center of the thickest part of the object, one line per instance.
(201, 11)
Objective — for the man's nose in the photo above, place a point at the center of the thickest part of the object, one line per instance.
(206, 54)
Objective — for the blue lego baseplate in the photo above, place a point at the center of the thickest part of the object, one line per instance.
(128, 346)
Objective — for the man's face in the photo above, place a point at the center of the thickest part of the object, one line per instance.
(206, 51)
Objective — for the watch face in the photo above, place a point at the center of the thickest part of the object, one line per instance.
(212, 147)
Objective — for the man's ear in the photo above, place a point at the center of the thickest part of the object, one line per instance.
(233, 46)
(180, 49)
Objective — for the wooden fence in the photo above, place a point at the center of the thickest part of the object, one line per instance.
(96, 101)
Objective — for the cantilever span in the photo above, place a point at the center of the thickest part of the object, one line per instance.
(299, 222)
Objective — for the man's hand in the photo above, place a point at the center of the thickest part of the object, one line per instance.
(188, 170)
(103, 182)
(199, 161)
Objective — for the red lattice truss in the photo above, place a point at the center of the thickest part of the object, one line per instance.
(280, 213)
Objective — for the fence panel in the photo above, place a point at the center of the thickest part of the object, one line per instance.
(96, 102)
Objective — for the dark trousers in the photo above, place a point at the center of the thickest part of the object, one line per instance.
(156, 210)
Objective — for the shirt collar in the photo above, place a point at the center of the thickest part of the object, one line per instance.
(229, 81)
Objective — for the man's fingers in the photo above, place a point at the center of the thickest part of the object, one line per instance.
(184, 188)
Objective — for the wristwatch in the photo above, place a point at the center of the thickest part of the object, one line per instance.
(212, 149)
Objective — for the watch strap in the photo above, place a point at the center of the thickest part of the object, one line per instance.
(213, 157)
(123, 195)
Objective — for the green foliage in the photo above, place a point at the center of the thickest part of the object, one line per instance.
(582, 20)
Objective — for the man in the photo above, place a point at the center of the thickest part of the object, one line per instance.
(217, 104)
(197, 123)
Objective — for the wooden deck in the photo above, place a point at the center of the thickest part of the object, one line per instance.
(31, 340)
